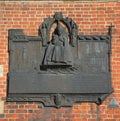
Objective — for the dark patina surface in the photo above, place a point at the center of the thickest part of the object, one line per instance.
(59, 68)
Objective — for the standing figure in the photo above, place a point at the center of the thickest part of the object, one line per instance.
(43, 31)
(73, 33)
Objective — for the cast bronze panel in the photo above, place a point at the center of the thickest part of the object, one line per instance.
(59, 67)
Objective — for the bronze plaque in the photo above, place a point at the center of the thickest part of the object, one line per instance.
(59, 67)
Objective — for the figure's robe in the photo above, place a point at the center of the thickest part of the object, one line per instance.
(58, 53)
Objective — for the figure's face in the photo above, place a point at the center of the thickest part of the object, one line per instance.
(59, 32)
(43, 25)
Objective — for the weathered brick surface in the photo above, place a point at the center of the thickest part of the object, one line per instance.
(91, 18)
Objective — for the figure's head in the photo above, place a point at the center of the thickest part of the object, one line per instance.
(59, 29)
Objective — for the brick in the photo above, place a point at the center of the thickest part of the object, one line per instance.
(21, 111)
(2, 115)
(92, 18)
(29, 115)
(11, 111)
(3, 119)
(12, 116)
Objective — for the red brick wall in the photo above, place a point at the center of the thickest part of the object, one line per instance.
(91, 18)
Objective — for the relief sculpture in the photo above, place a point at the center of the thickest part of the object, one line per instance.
(59, 67)
(58, 50)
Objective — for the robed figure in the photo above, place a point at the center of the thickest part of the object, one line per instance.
(58, 51)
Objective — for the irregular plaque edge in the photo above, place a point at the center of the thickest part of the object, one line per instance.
(61, 100)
